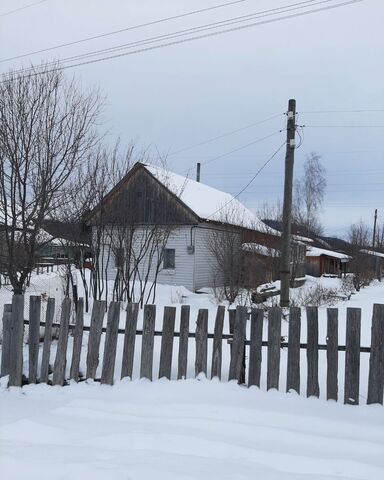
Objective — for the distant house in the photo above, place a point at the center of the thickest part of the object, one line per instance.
(326, 262)
(195, 214)
(374, 260)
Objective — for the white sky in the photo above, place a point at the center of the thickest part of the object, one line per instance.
(175, 97)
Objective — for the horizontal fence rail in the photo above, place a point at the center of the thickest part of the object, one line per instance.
(245, 359)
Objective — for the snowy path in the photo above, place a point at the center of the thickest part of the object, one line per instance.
(184, 430)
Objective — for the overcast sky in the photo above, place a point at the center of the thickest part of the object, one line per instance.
(175, 97)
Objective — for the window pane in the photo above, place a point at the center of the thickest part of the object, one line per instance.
(169, 258)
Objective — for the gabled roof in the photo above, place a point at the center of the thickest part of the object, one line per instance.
(208, 203)
(318, 252)
(372, 252)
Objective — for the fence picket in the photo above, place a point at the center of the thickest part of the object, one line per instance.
(293, 358)
(147, 341)
(109, 358)
(352, 357)
(255, 347)
(332, 354)
(313, 389)
(237, 352)
(16, 348)
(201, 342)
(376, 359)
(44, 372)
(6, 344)
(129, 340)
(61, 353)
(77, 341)
(166, 351)
(274, 341)
(94, 338)
(34, 336)
(218, 343)
(183, 342)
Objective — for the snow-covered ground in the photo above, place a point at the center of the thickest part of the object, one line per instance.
(184, 430)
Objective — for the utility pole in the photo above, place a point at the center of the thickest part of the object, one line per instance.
(198, 168)
(374, 230)
(285, 260)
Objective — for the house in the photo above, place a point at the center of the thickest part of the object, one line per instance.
(374, 261)
(326, 262)
(194, 220)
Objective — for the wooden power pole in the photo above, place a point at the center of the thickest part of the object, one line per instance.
(374, 230)
(285, 260)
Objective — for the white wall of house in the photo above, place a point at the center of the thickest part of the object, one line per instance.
(195, 267)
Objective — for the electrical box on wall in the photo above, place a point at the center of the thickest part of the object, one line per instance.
(191, 249)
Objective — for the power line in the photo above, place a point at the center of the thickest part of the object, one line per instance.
(344, 111)
(192, 30)
(226, 134)
(344, 126)
(250, 181)
(22, 8)
(34, 71)
(114, 32)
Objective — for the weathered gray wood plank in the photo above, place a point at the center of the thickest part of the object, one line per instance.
(255, 347)
(62, 343)
(183, 342)
(77, 341)
(6, 345)
(352, 357)
(218, 343)
(274, 342)
(293, 360)
(17, 333)
(109, 358)
(129, 340)
(376, 359)
(237, 352)
(167, 337)
(147, 341)
(34, 336)
(44, 372)
(97, 317)
(201, 342)
(313, 389)
(332, 354)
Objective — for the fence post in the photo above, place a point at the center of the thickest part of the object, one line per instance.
(147, 341)
(129, 340)
(201, 342)
(352, 357)
(183, 342)
(44, 372)
(16, 350)
(332, 354)
(293, 360)
(34, 336)
(167, 336)
(217, 347)
(237, 351)
(255, 347)
(274, 341)
(94, 338)
(376, 359)
(6, 346)
(110, 345)
(312, 352)
(77, 341)
(62, 343)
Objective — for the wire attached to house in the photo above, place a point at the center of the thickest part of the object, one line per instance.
(250, 181)
(22, 8)
(33, 71)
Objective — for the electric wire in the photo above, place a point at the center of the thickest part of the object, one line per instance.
(34, 71)
(22, 8)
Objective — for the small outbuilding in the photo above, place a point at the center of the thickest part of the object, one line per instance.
(326, 262)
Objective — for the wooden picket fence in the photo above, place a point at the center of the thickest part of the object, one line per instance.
(241, 348)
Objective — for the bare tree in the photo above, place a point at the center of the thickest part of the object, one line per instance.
(47, 128)
(361, 265)
(309, 194)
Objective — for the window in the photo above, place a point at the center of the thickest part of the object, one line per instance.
(119, 257)
(169, 258)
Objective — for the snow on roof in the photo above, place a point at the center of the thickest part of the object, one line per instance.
(372, 252)
(302, 239)
(209, 203)
(317, 252)
(260, 249)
